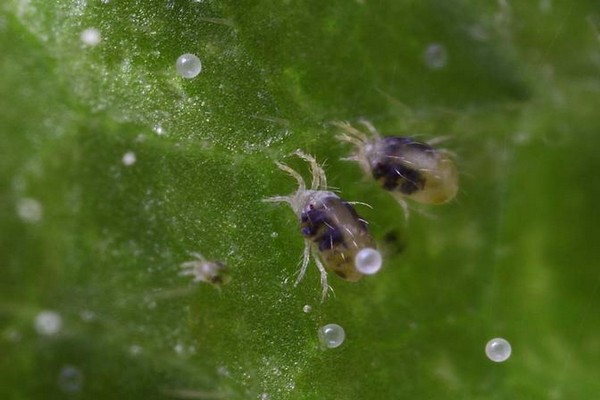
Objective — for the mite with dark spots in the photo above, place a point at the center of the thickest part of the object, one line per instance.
(333, 231)
(405, 167)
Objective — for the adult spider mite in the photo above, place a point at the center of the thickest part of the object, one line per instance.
(405, 167)
(334, 234)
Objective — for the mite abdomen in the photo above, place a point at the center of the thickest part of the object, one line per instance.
(338, 232)
(414, 169)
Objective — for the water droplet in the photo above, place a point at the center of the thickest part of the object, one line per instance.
(90, 37)
(128, 158)
(159, 130)
(332, 335)
(264, 396)
(498, 349)
(368, 261)
(307, 309)
(435, 56)
(48, 323)
(70, 379)
(188, 66)
(274, 234)
(179, 348)
(29, 210)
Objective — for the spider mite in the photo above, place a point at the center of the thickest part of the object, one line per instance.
(334, 234)
(202, 270)
(405, 167)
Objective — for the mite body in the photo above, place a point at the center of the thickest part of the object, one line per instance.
(405, 167)
(334, 233)
(202, 270)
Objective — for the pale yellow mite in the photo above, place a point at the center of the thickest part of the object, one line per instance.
(333, 232)
(405, 167)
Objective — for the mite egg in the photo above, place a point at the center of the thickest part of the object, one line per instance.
(333, 232)
(188, 66)
(90, 37)
(498, 350)
(70, 379)
(202, 270)
(332, 335)
(48, 323)
(368, 261)
(403, 166)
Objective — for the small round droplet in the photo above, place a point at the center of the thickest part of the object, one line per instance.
(332, 335)
(435, 56)
(70, 379)
(29, 210)
(188, 66)
(307, 308)
(179, 348)
(128, 158)
(159, 130)
(48, 323)
(368, 261)
(498, 349)
(90, 37)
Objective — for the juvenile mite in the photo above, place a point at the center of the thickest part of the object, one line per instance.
(334, 234)
(405, 167)
(202, 270)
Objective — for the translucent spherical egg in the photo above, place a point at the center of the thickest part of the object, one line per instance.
(498, 349)
(30, 210)
(70, 379)
(435, 56)
(188, 66)
(368, 261)
(90, 37)
(129, 159)
(48, 323)
(332, 335)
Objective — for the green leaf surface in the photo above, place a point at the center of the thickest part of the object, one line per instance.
(514, 85)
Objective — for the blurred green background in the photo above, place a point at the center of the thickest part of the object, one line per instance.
(95, 244)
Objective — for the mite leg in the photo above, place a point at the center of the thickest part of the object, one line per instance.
(353, 135)
(319, 179)
(278, 199)
(370, 128)
(324, 286)
(293, 174)
(437, 140)
(197, 256)
(305, 261)
(402, 201)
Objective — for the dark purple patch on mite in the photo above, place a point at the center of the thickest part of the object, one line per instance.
(311, 221)
(331, 238)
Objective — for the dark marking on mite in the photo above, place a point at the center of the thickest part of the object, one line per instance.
(395, 176)
(316, 225)
(392, 172)
(332, 237)
(397, 144)
(311, 221)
